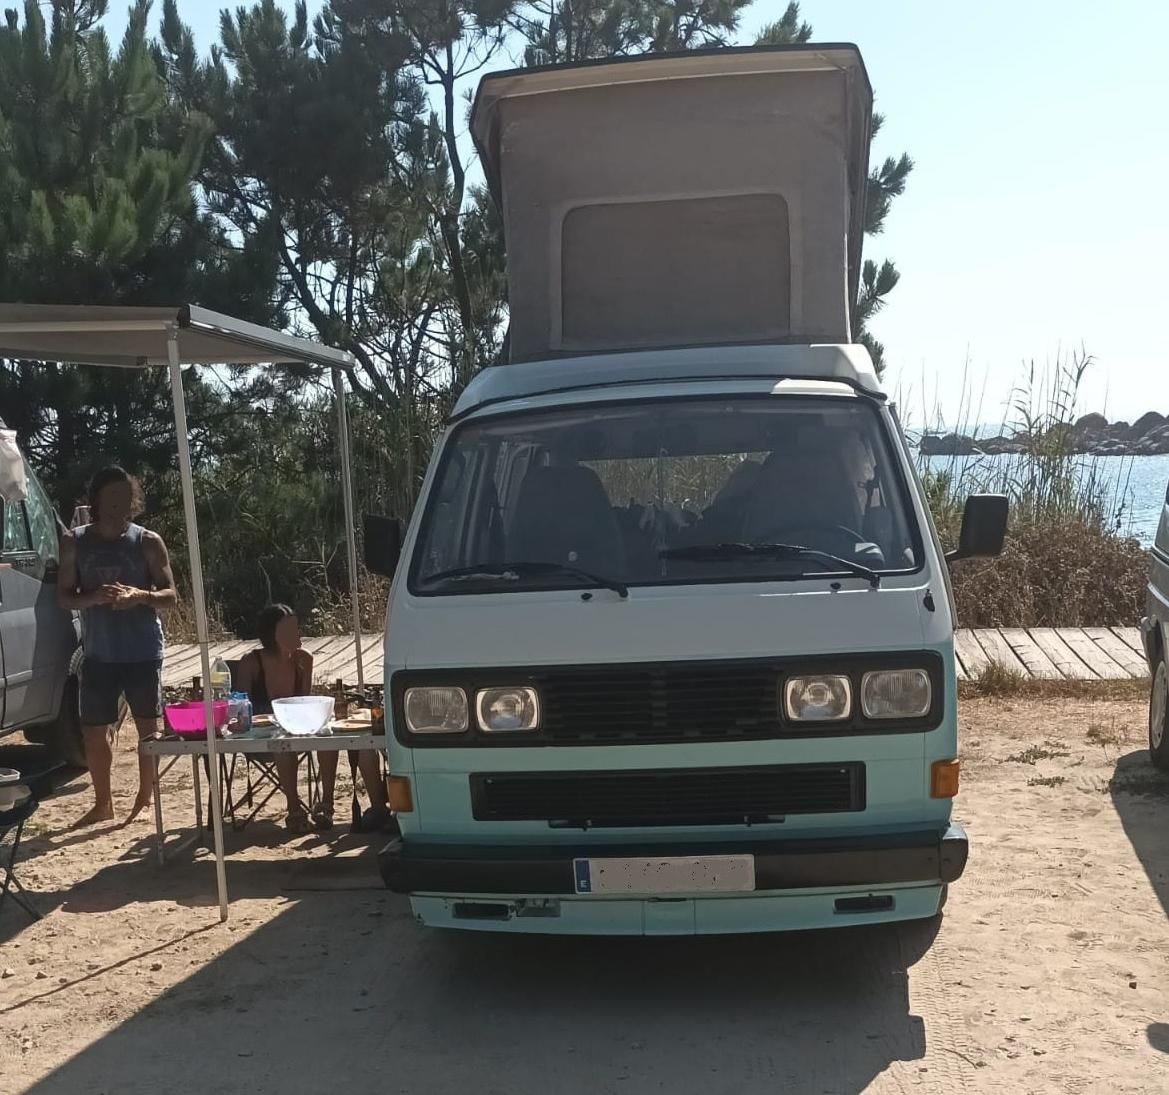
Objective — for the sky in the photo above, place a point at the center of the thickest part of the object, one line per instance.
(1033, 225)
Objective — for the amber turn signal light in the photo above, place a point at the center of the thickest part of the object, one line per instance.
(944, 778)
(401, 795)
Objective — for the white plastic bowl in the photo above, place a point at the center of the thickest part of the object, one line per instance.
(303, 715)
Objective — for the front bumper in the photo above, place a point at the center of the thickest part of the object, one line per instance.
(924, 858)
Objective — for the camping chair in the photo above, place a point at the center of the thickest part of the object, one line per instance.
(12, 822)
(261, 780)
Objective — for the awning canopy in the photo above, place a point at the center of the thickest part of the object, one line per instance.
(81, 334)
(137, 337)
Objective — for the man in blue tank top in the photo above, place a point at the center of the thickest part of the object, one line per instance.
(118, 576)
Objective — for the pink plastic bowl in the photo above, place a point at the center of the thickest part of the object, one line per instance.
(186, 719)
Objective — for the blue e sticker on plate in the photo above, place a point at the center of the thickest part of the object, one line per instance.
(584, 882)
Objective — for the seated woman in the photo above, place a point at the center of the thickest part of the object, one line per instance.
(281, 668)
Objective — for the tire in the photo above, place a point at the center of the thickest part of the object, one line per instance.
(1159, 717)
(68, 741)
(63, 736)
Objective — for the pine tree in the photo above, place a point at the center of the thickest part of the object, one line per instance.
(566, 31)
(886, 182)
(97, 169)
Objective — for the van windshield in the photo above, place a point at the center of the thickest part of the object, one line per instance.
(676, 491)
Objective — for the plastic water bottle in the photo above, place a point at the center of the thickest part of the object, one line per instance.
(220, 680)
(239, 712)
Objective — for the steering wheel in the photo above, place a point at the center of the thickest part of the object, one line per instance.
(844, 538)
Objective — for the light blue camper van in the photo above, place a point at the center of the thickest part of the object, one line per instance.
(669, 647)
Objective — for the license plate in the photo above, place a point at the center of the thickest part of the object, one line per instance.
(666, 875)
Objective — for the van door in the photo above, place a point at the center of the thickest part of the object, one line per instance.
(17, 611)
(3, 677)
(38, 636)
(1158, 593)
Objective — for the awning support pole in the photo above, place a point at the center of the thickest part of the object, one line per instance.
(350, 523)
(196, 560)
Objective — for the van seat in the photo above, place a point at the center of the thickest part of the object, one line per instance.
(563, 515)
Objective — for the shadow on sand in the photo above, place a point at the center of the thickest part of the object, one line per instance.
(186, 880)
(344, 992)
(1159, 1036)
(1140, 795)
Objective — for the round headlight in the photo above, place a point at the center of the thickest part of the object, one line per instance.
(436, 710)
(504, 709)
(896, 694)
(822, 698)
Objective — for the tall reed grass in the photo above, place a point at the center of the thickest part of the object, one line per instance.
(1069, 560)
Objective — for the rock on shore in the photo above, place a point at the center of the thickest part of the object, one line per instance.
(1093, 433)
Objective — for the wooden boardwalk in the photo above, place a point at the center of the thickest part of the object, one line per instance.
(1065, 653)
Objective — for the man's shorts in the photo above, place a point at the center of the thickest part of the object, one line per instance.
(104, 683)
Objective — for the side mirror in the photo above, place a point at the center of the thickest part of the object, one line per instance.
(984, 527)
(383, 544)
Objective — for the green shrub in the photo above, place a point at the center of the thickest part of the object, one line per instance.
(1054, 574)
(1068, 561)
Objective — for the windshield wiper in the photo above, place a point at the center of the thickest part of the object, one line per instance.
(713, 553)
(514, 572)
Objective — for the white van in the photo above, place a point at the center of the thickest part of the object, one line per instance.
(670, 645)
(1155, 632)
(40, 642)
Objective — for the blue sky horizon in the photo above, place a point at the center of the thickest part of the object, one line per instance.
(1030, 228)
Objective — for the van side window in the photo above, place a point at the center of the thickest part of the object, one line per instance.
(42, 523)
(17, 537)
(448, 515)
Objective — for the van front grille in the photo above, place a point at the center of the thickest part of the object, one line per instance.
(713, 796)
(656, 703)
(696, 702)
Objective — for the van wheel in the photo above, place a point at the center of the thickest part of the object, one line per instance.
(1159, 717)
(63, 736)
(67, 738)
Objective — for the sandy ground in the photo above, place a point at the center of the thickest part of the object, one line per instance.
(1048, 973)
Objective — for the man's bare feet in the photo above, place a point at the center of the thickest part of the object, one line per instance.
(101, 812)
(140, 803)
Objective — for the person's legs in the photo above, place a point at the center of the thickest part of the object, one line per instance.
(143, 685)
(148, 729)
(323, 811)
(369, 761)
(100, 687)
(99, 759)
(286, 768)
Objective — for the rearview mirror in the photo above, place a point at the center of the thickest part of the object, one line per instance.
(984, 527)
(383, 544)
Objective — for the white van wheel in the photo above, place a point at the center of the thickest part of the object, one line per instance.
(1158, 714)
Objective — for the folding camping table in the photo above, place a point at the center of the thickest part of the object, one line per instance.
(175, 748)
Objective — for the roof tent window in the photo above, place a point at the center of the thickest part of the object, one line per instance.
(656, 272)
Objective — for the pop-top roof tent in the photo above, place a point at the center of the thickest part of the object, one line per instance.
(682, 199)
(171, 337)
